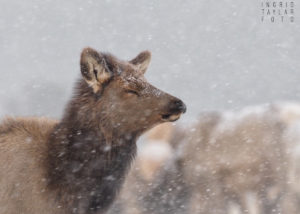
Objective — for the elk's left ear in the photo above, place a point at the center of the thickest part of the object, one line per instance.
(142, 60)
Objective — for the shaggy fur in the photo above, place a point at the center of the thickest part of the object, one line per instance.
(78, 165)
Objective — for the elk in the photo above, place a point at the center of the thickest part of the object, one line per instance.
(78, 164)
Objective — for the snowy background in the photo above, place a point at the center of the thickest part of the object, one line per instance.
(212, 54)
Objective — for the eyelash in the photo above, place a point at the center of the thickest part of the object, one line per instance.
(132, 92)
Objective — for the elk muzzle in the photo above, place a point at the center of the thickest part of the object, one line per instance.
(175, 109)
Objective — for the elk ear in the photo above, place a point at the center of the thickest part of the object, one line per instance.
(94, 69)
(142, 60)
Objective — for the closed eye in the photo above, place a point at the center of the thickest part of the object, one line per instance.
(132, 92)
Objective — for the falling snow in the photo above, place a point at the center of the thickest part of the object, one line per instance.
(236, 150)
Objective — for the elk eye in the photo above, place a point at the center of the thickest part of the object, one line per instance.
(132, 92)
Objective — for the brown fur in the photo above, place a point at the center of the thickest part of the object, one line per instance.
(22, 172)
(77, 165)
(154, 183)
(144, 170)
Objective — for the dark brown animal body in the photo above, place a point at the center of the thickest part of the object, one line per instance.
(78, 165)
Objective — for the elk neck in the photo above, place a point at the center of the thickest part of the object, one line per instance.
(87, 161)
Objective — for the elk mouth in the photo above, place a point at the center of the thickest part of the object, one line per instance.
(170, 117)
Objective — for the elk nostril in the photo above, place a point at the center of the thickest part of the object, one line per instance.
(183, 107)
(179, 105)
(175, 108)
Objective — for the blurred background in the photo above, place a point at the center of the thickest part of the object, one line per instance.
(213, 55)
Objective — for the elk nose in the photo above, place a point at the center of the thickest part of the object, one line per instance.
(178, 105)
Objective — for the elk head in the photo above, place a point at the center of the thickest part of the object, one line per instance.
(123, 99)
